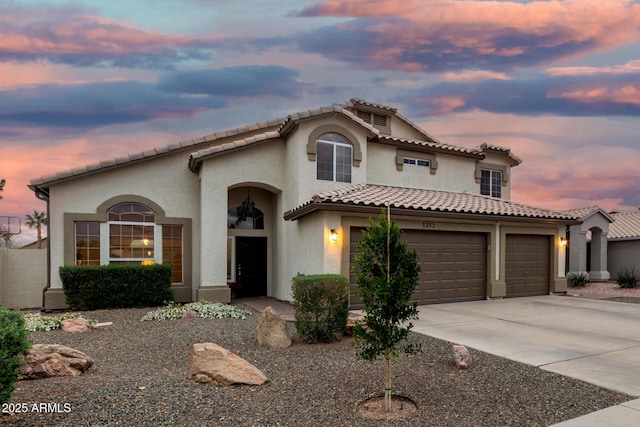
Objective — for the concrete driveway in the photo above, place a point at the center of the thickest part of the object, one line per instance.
(591, 340)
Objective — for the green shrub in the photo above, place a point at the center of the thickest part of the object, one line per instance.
(627, 278)
(578, 278)
(14, 341)
(91, 287)
(321, 304)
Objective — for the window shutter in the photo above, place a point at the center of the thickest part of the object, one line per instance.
(379, 120)
(365, 116)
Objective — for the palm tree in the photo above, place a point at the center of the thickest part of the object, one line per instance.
(37, 220)
(2, 183)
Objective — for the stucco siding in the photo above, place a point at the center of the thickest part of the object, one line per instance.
(623, 254)
(166, 181)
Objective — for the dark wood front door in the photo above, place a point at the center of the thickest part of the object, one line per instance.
(251, 266)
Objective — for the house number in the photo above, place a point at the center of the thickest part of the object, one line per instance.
(428, 225)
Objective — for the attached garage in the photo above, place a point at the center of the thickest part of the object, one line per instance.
(453, 265)
(527, 265)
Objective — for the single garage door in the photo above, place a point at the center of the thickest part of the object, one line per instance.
(453, 265)
(527, 265)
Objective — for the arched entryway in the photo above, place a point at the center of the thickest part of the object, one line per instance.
(251, 225)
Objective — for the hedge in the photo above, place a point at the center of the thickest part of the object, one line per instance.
(14, 341)
(321, 304)
(92, 287)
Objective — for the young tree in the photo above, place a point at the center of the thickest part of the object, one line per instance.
(387, 274)
(37, 220)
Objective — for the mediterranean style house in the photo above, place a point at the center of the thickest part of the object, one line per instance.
(240, 212)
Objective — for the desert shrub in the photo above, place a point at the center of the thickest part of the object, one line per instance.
(14, 341)
(627, 278)
(578, 278)
(321, 305)
(92, 287)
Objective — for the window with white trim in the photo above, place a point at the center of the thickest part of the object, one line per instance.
(416, 162)
(491, 183)
(334, 158)
(131, 234)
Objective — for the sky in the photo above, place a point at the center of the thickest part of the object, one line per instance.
(557, 82)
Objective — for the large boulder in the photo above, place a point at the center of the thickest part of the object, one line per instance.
(77, 325)
(271, 330)
(211, 364)
(54, 360)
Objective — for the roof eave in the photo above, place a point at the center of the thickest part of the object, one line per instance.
(296, 214)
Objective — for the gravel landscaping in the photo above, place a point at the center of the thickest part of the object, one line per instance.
(140, 379)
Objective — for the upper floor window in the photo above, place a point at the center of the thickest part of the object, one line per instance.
(491, 183)
(416, 162)
(334, 158)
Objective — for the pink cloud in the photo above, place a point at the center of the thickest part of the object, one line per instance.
(538, 30)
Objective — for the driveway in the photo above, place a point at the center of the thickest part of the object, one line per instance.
(591, 340)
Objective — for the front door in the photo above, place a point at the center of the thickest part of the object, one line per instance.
(251, 266)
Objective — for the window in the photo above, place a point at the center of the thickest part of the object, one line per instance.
(172, 250)
(491, 183)
(87, 239)
(244, 217)
(131, 234)
(334, 158)
(416, 162)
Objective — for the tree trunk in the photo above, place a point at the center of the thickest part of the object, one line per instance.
(39, 238)
(387, 389)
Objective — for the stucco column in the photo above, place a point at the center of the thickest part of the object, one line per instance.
(577, 249)
(599, 271)
(213, 241)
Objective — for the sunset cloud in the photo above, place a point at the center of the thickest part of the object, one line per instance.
(450, 35)
(93, 41)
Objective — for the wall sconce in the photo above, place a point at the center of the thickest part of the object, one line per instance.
(333, 236)
(563, 241)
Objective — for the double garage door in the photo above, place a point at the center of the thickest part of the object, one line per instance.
(454, 265)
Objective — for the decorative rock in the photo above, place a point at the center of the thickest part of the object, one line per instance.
(462, 356)
(211, 364)
(54, 360)
(351, 323)
(77, 325)
(190, 314)
(271, 330)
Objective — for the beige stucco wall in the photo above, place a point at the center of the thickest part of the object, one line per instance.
(623, 254)
(23, 276)
(166, 181)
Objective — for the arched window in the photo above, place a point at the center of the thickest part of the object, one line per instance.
(246, 217)
(334, 158)
(131, 234)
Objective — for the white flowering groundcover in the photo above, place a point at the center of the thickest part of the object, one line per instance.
(206, 309)
(34, 322)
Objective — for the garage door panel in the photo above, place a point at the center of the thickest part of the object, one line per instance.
(453, 265)
(527, 265)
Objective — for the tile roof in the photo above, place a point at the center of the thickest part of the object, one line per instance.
(155, 152)
(586, 212)
(211, 145)
(626, 225)
(368, 195)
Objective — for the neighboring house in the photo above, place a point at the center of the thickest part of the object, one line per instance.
(247, 209)
(603, 243)
(624, 241)
(594, 227)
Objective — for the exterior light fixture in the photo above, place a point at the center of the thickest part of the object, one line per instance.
(333, 236)
(563, 241)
